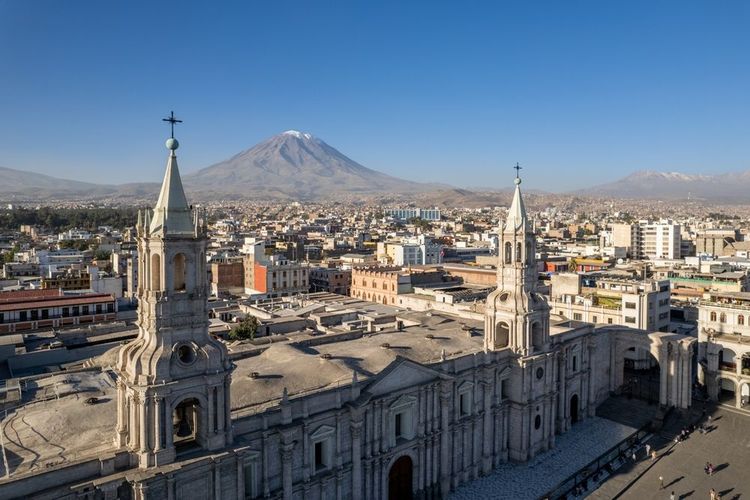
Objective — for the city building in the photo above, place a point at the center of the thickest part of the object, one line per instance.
(35, 309)
(419, 404)
(429, 214)
(723, 347)
(649, 240)
(330, 279)
(609, 298)
(228, 276)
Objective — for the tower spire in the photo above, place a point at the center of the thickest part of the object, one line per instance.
(172, 210)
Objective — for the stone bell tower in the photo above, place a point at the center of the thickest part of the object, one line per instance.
(173, 380)
(516, 316)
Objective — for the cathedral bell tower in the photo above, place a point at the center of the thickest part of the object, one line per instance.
(516, 316)
(173, 380)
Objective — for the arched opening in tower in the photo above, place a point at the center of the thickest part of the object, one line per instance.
(156, 272)
(186, 423)
(502, 335)
(179, 272)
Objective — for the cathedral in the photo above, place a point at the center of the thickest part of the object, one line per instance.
(424, 403)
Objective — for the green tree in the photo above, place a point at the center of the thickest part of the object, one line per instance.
(245, 329)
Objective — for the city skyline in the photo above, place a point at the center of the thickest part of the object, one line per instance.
(423, 92)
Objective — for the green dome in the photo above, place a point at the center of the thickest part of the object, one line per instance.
(172, 144)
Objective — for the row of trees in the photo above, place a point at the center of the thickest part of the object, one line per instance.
(61, 219)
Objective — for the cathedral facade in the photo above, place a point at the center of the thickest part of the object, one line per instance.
(414, 408)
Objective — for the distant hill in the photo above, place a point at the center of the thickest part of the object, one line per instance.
(731, 187)
(295, 165)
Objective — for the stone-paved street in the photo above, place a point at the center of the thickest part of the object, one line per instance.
(573, 450)
(727, 446)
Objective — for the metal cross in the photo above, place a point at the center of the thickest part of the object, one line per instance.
(518, 168)
(172, 120)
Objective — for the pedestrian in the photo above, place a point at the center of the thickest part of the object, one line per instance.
(706, 467)
(661, 482)
(633, 457)
(713, 494)
(653, 454)
(671, 496)
(710, 469)
(648, 449)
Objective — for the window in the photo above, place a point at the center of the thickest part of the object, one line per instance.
(65, 312)
(504, 389)
(98, 309)
(629, 319)
(594, 319)
(322, 448)
(629, 305)
(465, 400)
(713, 315)
(577, 316)
(23, 316)
(45, 313)
(740, 320)
(2, 317)
(722, 318)
(538, 422)
(402, 419)
(518, 252)
(575, 363)
(249, 474)
(110, 308)
(76, 311)
(34, 315)
(85, 310)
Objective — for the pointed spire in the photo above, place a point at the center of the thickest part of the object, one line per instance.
(517, 212)
(172, 212)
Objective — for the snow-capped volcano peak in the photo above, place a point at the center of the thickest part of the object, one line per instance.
(298, 134)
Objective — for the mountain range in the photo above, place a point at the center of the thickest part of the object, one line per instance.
(298, 165)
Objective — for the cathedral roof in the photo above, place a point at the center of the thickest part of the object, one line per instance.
(172, 210)
(517, 212)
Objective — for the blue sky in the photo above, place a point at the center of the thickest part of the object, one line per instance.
(578, 92)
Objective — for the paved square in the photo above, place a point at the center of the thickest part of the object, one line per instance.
(727, 447)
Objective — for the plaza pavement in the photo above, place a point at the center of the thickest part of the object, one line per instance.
(726, 446)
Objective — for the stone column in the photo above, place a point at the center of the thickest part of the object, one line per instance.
(445, 463)
(356, 430)
(122, 414)
(487, 428)
(141, 491)
(133, 417)
(592, 382)
(286, 469)
(240, 477)
(227, 407)
(144, 418)
(561, 392)
(158, 414)
(663, 375)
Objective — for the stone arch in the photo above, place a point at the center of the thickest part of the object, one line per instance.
(637, 369)
(574, 409)
(508, 252)
(179, 272)
(727, 360)
(402, 458)
(744, 394)
(502, 334)
(727, 390)
(189, 417)
(155, 272)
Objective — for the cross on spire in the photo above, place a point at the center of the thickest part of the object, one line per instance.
(518, 169)
(172, 120)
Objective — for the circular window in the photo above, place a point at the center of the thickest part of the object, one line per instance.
(539, 372)
(537, 422)
(504, 297)
(185, 354)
